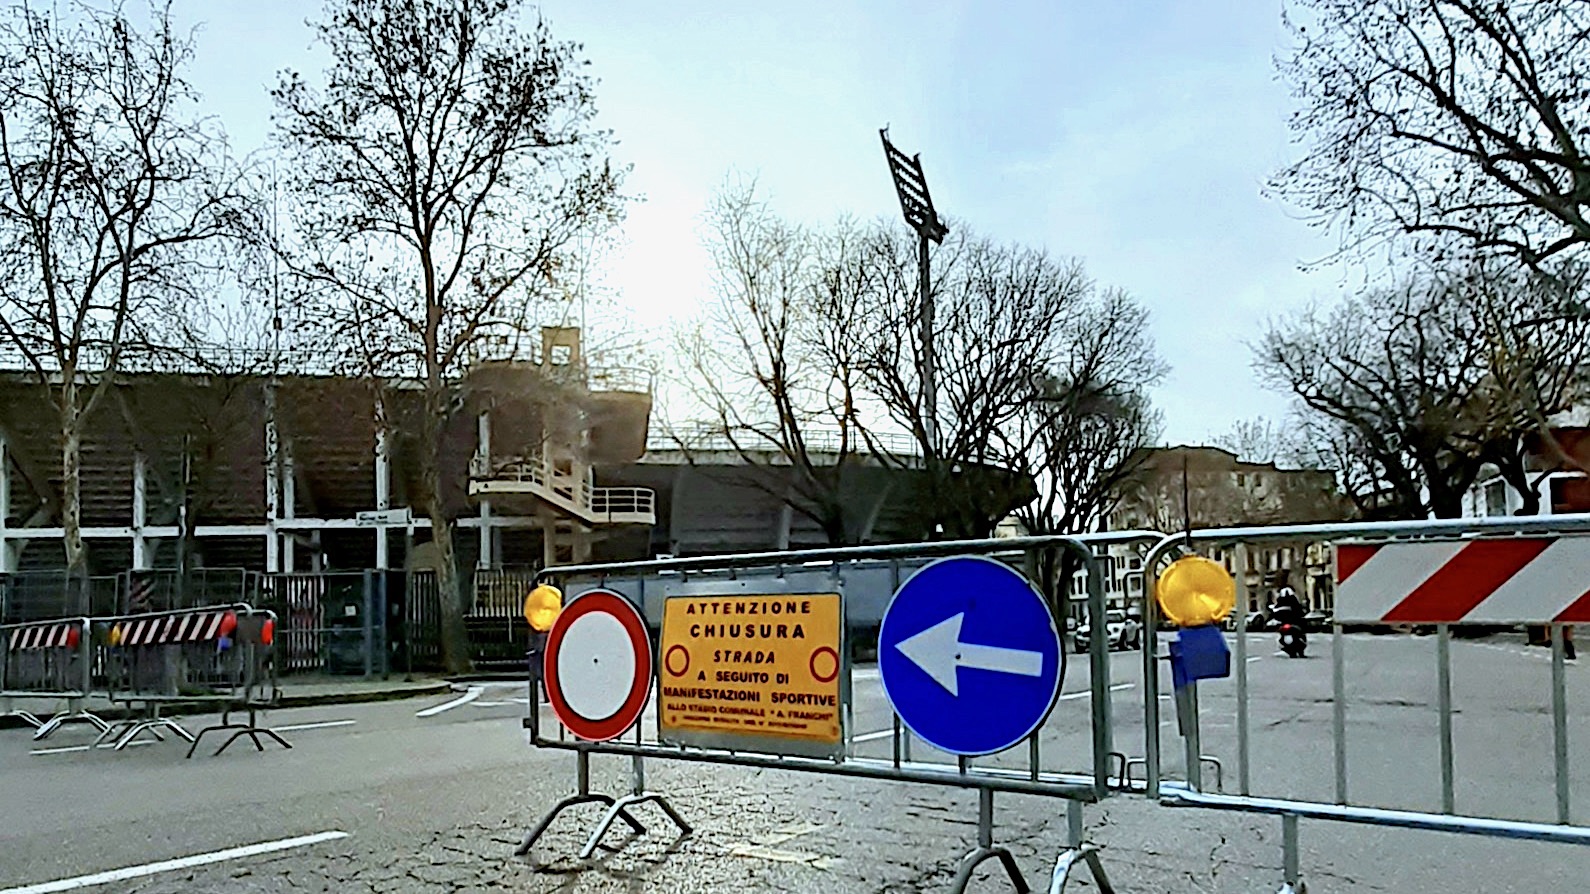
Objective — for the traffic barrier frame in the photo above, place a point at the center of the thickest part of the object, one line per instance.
(1191, 792)
(219, 654)
(47, 651)
(1077, 788)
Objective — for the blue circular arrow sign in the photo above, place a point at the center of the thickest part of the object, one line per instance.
(969, 655)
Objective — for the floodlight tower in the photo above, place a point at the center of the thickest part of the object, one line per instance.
(917, 207)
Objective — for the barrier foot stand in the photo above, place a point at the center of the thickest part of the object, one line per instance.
(583, 795)
(252, 729)
(1077, 850)
(153, 724)
(27, 718)
(638, 795)
(112, 732)
(67, 716)
(985, 849)
(1290, 857)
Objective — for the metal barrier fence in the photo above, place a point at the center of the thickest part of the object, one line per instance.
(48, 595)
(1434, 573)
(47, 661)
(330, 622)
(787, 582)
(221, 655)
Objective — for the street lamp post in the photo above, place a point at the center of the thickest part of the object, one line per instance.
(917, 207)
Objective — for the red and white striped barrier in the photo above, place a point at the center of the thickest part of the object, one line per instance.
(189, 627)
(1514, 580)
(49, 635)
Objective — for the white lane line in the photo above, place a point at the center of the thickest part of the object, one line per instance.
(117, 875)
(68, 749)
(469, 696)
(1087, 692)
(873, 737)
(1253, 658)
(320, 725)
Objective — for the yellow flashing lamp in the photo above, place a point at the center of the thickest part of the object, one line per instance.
(1195, 591)
(541, 607)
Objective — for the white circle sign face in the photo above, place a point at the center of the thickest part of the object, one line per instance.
(596, 665)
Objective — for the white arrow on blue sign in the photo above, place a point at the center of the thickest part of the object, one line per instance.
(969, 655)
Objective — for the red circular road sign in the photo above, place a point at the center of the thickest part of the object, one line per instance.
(598, 665)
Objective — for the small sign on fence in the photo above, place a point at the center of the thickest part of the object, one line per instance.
(391, 517)
(753, 673)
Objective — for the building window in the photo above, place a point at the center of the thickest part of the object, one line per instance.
(1242, 480)
(1496, 497)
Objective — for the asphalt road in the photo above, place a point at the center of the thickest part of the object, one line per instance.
(437, 802)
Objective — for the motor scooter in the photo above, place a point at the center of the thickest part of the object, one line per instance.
(1293, 638)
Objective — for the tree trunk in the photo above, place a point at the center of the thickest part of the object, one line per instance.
(71, 500)
(449, 595)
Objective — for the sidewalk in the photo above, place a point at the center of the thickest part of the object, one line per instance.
(296, 692)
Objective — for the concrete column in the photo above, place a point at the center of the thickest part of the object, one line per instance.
(140, 512)
(483, 454)
(549, 538)
(8, 551)
(273, 558)
(786, 520)
(289, 508)
(383, 485)
(486, 556)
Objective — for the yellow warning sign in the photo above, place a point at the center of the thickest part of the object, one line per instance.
(753, 673)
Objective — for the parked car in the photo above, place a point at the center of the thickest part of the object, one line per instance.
(1122, 632)
(1317, 622)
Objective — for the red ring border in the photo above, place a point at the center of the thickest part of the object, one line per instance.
(811, 664)
(629, 712)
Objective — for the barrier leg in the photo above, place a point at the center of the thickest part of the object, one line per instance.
(620, 808)
(582, 795)
(1078, 850)
(1292, 875)
(64, 717)
(112, 732)
(985, 849)
(152, 724)
(27, 718)
(252, 729)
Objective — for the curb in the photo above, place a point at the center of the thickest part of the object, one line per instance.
(438, 687)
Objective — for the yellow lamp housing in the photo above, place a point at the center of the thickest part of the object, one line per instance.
(541, 607)
(1195, 591)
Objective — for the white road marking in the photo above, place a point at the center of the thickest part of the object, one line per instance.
(873, 737)
(1086, 692)
(130, 872)
(320, 725)
(1253, 658)
(473, 693)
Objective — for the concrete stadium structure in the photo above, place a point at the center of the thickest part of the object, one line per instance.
(272, 473)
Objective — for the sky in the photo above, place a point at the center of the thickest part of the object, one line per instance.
(1136, 136)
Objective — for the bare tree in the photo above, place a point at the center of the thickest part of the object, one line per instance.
(1261, 440)
(1083, 432)
(1000, 321)
(1414, 389)
(437, 180)
(113, 188)
(773, 362)
(1461, 121)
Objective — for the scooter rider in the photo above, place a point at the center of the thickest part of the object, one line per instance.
(1287, 608)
